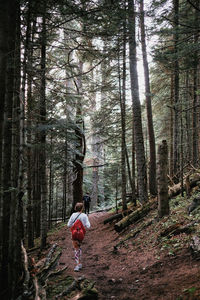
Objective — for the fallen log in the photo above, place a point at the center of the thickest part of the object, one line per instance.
(131, 235)
(118, 216)
(73, 286)
(133, 217)
(44, 273)
(178, 228)
(50, 254)
(113, 218)
(176, 189)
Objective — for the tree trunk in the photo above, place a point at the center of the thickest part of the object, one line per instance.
(187, 119)
(81, 147)
(139, 141)
(163, 199)
(195, 91)
(171, 162)
(36, 191)
(95, 150)
(3, 59)
(51, 182)
(31, 171)
(11, 267)
(29, 156)
(176, 89)
(152, 165)
(42, 157)
(122, 100)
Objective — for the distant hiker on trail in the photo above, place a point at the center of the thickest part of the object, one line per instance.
(86, 201)
(77, 223)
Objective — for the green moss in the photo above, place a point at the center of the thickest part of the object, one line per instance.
(57, 285)
(56, 228)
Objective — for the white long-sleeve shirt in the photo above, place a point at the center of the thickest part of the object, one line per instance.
(82, 217)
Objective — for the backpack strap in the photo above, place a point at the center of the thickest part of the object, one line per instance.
(76, 219)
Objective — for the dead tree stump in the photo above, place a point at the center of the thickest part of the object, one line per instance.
(162, 181)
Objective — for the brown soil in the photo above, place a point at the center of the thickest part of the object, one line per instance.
(137, 270)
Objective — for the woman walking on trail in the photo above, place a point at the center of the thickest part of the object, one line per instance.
(78, 232)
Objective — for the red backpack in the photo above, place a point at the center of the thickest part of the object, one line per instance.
(78, 230)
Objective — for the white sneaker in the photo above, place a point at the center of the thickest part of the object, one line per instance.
(76, 269)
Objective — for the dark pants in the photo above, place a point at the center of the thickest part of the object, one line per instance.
(87, 208)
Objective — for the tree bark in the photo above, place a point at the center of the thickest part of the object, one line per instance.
(81, 147)
(163, 199)
(133, 217)
(195, 91)
(139, 141)
(42, 154)
(176, 89)
(11, 264)
(152, 165)
(122, 100)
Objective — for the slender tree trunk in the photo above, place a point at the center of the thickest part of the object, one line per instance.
(51, 181)
(171, 163)
(64, 206)
(187, 118)
(195, 90)
(81, 148)
(152, 165)
(139, 141)
(122, 99)
(95, 149)
(36, 191)
(133, 165)
(31, 172)
(176, 89)
(163, 199)
(43, 177)
(30, 163)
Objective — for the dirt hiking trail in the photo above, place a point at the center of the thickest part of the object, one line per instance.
(133, 272)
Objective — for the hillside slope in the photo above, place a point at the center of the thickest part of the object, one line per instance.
(148, 266)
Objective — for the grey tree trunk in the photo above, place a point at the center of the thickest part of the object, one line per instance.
(80, 146)
(30, 162)
(122, 99)
(171, 162)
(139, 141)
(176, 90)
(152, 165)
(195, 93)
(95, 149)
(187, 119)
(163, 199)
(42, 157)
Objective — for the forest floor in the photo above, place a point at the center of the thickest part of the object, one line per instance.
(147, 266)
